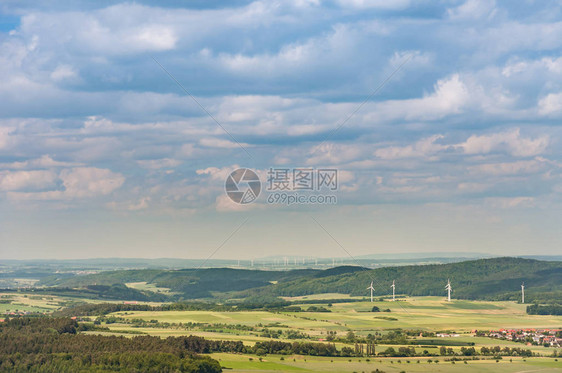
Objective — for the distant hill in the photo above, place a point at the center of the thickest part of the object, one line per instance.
(494, 278)
(188, 283)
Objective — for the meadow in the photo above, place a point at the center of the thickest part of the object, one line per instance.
(274, 363)
(423, 313)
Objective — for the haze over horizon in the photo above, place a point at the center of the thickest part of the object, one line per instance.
(102, 154)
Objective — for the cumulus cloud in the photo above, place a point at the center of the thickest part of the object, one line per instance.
(510, 168)
(510, 141)
(24, 180)
(155, 164)
(103, 31)
(551, 104)
(423, 148)
(63, 72)
(330, 153)
(221, 143)
(450, 96)
(90, 181)
(79, 182)
(473, 9)
(378, 4)
(45, 161)
(218, 173)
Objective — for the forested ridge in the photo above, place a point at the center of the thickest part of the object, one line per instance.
(487, 279)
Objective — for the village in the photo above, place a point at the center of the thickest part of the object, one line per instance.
(536, 337)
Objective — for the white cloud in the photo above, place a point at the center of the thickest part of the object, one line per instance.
(45, 161)
(90, 181)
(423, 148)
(473, 9)
(104, 31)
(155, 164)
(155, 37)
(450, 96)
(140, 205)
(509, 141)
(552, 67)
(79, 182)
(218, 173)
(21, 180)
(5, 136)
(551, 104)
(508, 202)
(224, 204)
(213, 142)
(510, 168)
(63, 72)
(330, 153)
(377, 4)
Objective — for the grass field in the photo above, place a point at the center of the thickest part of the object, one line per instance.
(273, 363)
(43, 303)
(150, 287)
(425, 313)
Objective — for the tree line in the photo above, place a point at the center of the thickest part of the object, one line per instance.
(53, 345)
(548, 309)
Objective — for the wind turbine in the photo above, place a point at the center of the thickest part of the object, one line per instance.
(448, 288)
(523, 292)
(372, 289)
(393, 288)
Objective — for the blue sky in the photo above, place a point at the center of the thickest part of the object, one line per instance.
(102, 154)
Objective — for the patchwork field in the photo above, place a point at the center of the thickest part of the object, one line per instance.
(21, 302)
(431, 314)
(424, 313)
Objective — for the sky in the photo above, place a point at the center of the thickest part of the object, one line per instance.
(120, 121)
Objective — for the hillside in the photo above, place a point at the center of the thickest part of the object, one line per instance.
(186, 283)
(495, 278)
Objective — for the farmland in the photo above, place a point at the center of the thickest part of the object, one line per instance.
(424, 313)
(429, 314)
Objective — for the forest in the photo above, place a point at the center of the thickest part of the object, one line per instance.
(47, 344)
(483, 279)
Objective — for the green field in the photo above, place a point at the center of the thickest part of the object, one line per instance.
(273, 363)
(424, 313)
(22, 302)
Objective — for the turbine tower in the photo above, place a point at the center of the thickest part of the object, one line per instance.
(523, 293)
(393, 288)
(448, 288)
(372, 289)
